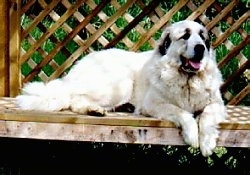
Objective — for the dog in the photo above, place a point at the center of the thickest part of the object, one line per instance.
(177, 81)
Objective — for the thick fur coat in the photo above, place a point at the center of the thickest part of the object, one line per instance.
(178, 81)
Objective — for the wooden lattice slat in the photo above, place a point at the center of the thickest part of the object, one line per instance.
(236, 25)
(159, 24)
(234, 51)
(139, 28)
(198, 11)
(221, 15)
(91, 39)
(133, 23)
(68, 38)
(242, 94)
(51, 30)
(235, 75)
(39, 18)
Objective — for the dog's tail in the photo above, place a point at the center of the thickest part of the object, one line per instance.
(51, 96)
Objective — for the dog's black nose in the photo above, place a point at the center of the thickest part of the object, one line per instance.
(199, 51)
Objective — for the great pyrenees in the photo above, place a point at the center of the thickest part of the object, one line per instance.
(177, 81)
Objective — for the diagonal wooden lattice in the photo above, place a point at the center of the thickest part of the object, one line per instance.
(56, 33)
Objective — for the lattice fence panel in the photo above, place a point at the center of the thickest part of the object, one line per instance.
(56, 33)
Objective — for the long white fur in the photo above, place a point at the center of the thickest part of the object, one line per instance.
(103, 78)
(152, 82)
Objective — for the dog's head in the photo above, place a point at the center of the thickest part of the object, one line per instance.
(187, 43)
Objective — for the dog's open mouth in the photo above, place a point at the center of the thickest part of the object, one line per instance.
(190, 65)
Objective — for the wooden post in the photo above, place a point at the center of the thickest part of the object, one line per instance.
(4, 49)
(14, 47)
(10, 80)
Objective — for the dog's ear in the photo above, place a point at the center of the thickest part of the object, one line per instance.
(165, 43)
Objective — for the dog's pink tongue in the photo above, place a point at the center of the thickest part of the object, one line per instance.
(195, 65)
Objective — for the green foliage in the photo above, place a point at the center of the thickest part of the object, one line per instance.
(231, 67)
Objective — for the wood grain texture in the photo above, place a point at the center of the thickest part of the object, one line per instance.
(14, 48)
(116, 134)
(115, 127)
(4, 60)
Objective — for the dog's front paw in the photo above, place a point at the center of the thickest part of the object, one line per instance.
(207, 144)
(191, 139)
(208, 139)
(190, 133)
(208, 133)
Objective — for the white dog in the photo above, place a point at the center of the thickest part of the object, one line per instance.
(177, 81)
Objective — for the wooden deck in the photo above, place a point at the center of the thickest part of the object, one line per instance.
(116, 127)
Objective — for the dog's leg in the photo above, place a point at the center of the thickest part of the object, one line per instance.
(208, 123)
(84, 105)
(179, 117)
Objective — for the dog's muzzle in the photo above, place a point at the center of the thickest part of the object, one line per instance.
(192, 65)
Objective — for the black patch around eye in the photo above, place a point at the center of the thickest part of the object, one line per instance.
(201, 35)
(165, 45)
(186, 35)
(207, 43)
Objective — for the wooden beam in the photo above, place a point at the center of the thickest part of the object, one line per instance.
(4, 44)
(14, 47)
(116, 134)
(115, 127)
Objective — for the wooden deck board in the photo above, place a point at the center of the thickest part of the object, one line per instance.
(116, 127)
